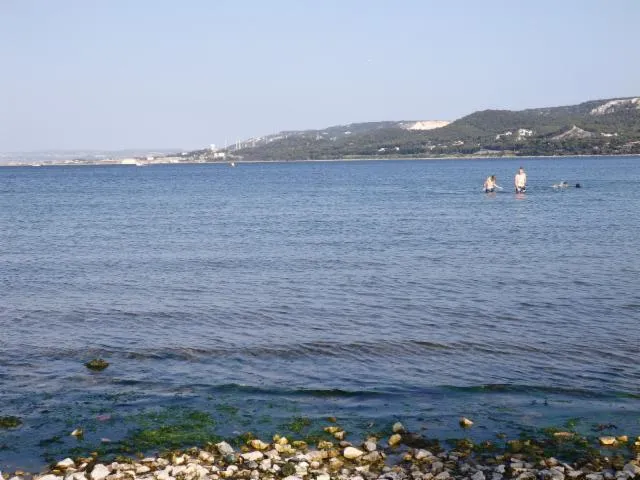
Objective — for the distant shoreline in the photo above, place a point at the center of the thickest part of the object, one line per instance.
(452, 157)
(349, 159)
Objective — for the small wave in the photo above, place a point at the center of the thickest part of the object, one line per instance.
(372, 392)
(630, 306)
(281, 351)
(541, 389)
(314, 392)
(349, 350)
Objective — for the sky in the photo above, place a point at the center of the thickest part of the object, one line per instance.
(119, 74)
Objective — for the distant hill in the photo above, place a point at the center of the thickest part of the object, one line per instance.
(610, 126)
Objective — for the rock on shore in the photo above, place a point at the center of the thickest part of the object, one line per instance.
(327, 460)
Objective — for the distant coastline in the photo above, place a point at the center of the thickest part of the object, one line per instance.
(319, 160)
(597, 127)
(608, 127)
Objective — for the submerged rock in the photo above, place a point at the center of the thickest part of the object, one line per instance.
(607, 441)
(97, 364)
(398, 428)
(415, 440)
(395, 439)
(465, 422)
(10, 422)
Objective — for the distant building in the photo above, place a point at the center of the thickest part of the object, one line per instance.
(505, 134)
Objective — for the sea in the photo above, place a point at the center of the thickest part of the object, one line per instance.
(271, 296)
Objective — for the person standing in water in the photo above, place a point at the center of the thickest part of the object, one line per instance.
(520, 181)
(490, 184)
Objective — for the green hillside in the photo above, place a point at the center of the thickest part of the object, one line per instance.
(596, 127)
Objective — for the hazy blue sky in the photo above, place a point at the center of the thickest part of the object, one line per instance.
(111, 74)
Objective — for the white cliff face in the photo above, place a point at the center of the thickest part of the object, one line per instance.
(573, 132)
(614, 105)
(426, 125)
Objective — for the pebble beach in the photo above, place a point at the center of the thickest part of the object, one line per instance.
(396, 457)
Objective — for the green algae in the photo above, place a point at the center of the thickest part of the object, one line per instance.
(10, 422)
(160, 430)
(288, 469)
(246, 437)
(298, 424)
(227, 409)
(264, 420)
(547, 442)
(174, 428)
(486, 447)
(97, 364)
(316, 435)
(572, 423)
(55, 439)
(464, 445)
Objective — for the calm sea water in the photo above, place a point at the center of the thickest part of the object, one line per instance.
(372, 291)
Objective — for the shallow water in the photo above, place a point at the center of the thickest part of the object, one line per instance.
(372, 291)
